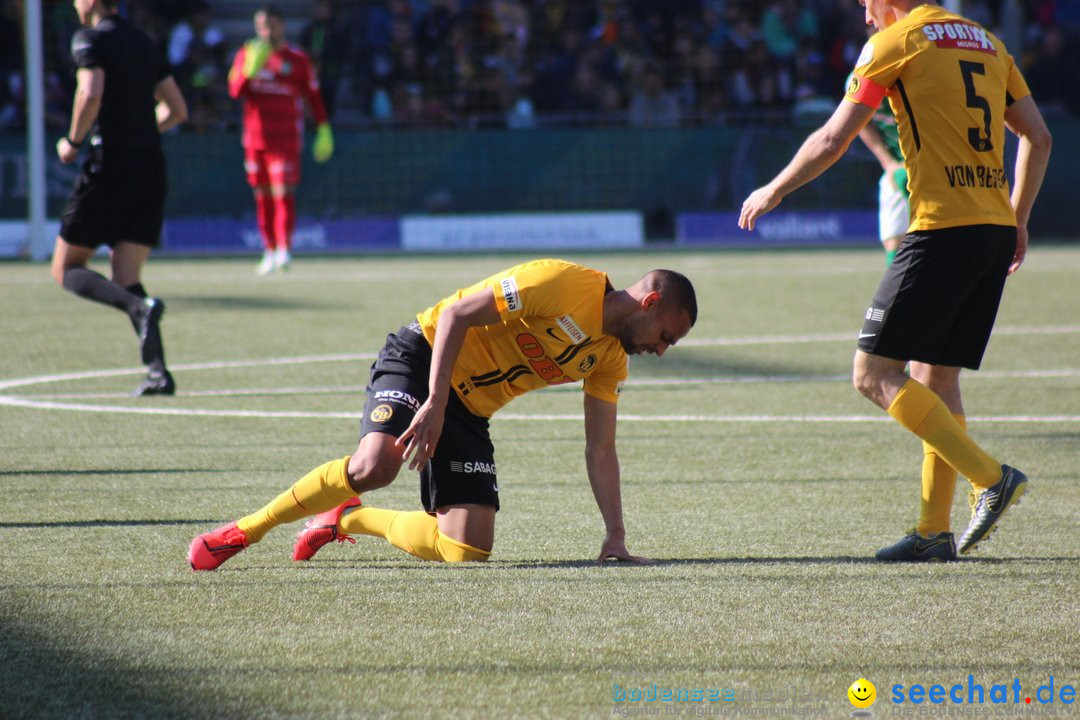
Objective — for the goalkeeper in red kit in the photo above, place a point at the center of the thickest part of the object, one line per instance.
(273, 78)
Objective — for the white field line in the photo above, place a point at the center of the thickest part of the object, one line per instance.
(527, 417)
(638, 382)
(51, 402)
(852, 335)
(261, 362)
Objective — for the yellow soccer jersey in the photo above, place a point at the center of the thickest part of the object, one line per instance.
(551, 333)
(949, 82)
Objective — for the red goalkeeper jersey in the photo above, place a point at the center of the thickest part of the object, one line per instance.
(274, 99)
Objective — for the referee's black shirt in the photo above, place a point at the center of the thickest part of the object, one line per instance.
(133, 68)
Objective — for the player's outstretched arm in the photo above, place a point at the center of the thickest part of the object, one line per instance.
(819, 151)
(602, 465)
(1032, 156)
(422, 436)
(323, 148)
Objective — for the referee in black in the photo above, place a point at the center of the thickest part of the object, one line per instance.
(124, 87)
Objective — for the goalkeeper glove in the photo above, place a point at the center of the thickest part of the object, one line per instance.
(900, 178)
(324, 143)
(256, 53)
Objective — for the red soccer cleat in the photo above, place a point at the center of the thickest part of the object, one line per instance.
(212, 548)
(320, 530)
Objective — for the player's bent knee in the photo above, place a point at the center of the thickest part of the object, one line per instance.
(58, 268)
(864, 377)
(368, 473)
(454, 551)
(862, 382)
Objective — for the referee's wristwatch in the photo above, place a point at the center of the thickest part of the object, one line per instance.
(74, 144)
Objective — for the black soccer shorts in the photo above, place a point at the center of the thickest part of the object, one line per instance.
(462, 470)
(120, 196)
(939, 298)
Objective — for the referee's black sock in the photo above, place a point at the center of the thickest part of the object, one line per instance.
(90, 285)
(138, 290)
(155, 348)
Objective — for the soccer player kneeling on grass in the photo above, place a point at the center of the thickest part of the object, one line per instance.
(435, 384)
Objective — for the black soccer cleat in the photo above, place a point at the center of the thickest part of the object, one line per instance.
(991, 505)
(913, 547)
(146, 322)
(156, 384)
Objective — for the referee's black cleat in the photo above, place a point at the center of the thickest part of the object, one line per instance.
(913, 547)
(147, 321)
(156, 384)
(991, 505)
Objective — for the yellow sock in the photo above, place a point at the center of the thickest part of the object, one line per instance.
(938, 488)
(920, 410)
(452, 551)
(417, 533)
(325, 487)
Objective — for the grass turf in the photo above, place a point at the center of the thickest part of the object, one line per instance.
(752, 472)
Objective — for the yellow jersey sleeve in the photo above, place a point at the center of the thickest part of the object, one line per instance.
(1017, 87)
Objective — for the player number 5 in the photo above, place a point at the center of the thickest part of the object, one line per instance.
(976, 138)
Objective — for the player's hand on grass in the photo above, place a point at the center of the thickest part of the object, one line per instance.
(760, 202)
(422, 436)
(256, 53)
(614, 548)
(323, 148)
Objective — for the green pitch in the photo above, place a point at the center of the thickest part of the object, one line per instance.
(752, 472)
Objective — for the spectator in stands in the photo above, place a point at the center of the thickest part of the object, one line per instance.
(784, 24)
(1054, 75)
(11, 68)
(197, 55)
(566, 58)
(326, 43)
(488, 97)
(710, 97)
(413, 108)
(144, 15)
(653, 106)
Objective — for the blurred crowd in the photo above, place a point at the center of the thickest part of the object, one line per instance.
(527, 63)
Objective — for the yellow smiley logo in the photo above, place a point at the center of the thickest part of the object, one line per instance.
(862, 693)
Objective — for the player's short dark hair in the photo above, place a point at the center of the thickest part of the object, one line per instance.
(270, 11)
(674, 288)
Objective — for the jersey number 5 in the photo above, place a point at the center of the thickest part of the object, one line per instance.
(976, 137)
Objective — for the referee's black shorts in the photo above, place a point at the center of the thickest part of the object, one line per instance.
(939, 297)
(119, 197)
(462, 470)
